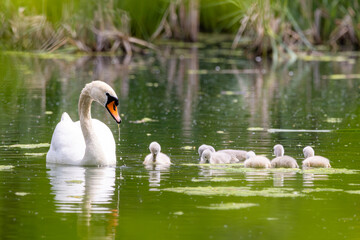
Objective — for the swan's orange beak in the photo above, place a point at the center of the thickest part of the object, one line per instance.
(112, 108)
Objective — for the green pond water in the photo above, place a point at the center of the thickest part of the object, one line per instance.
(182, 98)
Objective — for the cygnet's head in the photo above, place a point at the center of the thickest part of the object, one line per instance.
(279, 150)
(102, 93)
(250, 154)
(154, 148)
(205, 156)
(203, 147)
(308, 152)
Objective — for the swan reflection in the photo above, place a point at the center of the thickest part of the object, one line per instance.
(82, 189)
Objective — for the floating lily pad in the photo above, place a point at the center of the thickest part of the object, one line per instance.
(255, 129)
(35, 154)
(236, 191)
(228, 206)
(28, 146)
(48, 112)
(179, 213)
(21, 194)
(144, 120)
(6, 167)
(353, 191)
(188, 147)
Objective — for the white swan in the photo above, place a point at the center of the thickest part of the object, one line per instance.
(156, 157)
(214, 157)
(282, 161)
(253, 161)
(314, 161)
(88, 141)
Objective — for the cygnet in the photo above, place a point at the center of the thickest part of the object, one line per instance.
(156, 157)
(282, 161)
(314, 161)
(211, 157)
(253, 161)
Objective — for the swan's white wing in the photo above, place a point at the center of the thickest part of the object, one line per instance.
(67, 143)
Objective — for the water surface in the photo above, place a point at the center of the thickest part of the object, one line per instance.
(181, 98)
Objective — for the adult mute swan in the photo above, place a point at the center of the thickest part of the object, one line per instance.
(281, 160)
(314, 161)
(88, 141)
(156, 157)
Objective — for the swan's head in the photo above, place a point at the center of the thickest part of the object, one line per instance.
(202, 149)
(106, 96)
(279, 150)
(250, 154)
(206, 155)
(308, 152)
(154, 148)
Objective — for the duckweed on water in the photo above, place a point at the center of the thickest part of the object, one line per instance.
(330, 171)
(310, 190)
(228, 206)
(214, 179)
(236, 191)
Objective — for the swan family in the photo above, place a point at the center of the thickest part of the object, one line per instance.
(89, 142)
(208, 154)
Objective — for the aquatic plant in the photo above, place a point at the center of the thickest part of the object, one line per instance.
(236, 191)
(228, 206)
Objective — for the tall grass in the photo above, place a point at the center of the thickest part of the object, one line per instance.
(270, 26)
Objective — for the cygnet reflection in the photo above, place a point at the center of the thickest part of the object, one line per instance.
(156, 173)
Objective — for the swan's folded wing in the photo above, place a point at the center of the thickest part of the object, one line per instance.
(67, 143)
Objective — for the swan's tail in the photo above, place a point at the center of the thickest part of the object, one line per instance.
(65, 117)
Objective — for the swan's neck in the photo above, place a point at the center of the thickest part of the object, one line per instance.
(154, 157)
(93, 153)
